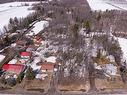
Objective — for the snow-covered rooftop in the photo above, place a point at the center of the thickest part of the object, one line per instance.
(51, 59)
(38, 27)
(13, 61)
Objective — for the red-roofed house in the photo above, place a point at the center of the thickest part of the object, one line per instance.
(13, 68)
(25, 55)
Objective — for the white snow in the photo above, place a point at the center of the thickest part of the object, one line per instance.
(123, 45)
(41, 76)
(100, 5)
(13, 9)
(51, 59)
(13, 44)
(111, 69)
(13, 61)
(120, 4)
(97, 66)
(103, 5)
(34, 63)
(111, 58)
(38, 27)
(2, 58)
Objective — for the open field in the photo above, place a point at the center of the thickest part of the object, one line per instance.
(13, 9)
(103, 5)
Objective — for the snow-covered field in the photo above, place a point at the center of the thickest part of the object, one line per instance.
(13, 9)
(103, 5)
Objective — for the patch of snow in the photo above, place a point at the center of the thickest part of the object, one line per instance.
(111, 58)
(51, 59)
(41, 76)
(111, 69)
(94, 52)
(13, 44)
(2, 58)
(98, 67)
(34, 63)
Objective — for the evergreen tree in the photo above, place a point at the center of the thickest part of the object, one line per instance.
(16, 20)
(30, 74)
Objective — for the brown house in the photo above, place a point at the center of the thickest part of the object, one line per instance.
(21, 43)
(47, 67)
(37, 40)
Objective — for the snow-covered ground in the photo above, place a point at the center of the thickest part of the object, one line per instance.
(123, 45)
(100, 5)
(2, 58)
(13, 9)
(103, 5)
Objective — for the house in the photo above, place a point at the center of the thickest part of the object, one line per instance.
(24, 41)
(21, 43)
(37, 40)
(25, 55)
(47, 67)
(13, 68)
(31, 48)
